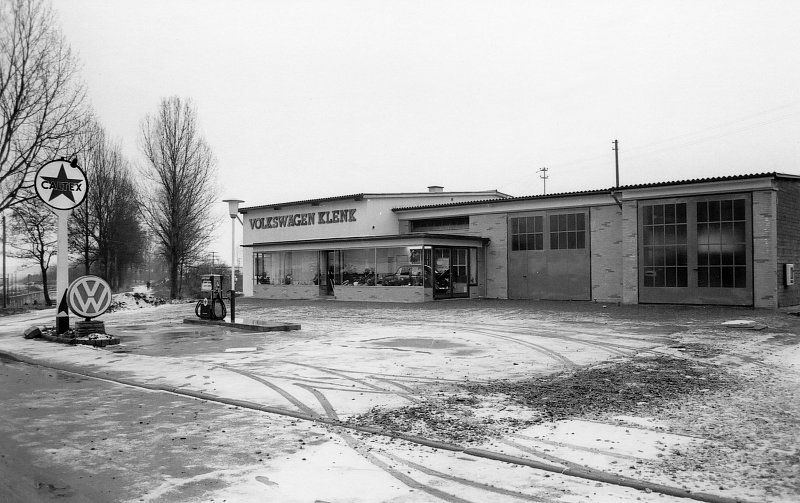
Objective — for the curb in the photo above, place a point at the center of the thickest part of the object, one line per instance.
(588, 474)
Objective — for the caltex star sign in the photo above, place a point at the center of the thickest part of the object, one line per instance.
(61, 185)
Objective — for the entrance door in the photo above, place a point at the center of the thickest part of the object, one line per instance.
(328, 271)
(451, 273)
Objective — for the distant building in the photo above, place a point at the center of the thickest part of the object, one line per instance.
(727, 241)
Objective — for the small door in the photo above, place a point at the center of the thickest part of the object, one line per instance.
(328, 271)
(451, 272)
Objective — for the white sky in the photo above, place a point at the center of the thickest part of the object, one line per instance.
(305, 99)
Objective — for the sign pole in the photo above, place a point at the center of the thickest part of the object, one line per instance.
(62, 185)
(62, 272)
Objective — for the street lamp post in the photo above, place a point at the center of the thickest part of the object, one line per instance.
(233, 211)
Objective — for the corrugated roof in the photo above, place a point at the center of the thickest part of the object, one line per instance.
(603, 191)
(362, 195)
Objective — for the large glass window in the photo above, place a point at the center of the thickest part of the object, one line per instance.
(568, 231)
(285, 268)
(721, 244)
(358, 267)
(665, 245)
(527, 233)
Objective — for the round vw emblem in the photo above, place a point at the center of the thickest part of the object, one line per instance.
(61, 184)
(89, 296)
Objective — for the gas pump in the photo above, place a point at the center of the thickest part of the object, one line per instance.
(211, 306)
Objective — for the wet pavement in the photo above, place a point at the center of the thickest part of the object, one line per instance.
(148, 418)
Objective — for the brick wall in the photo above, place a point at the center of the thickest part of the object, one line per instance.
(788, 249)
(495, 227)
(630, 252)
(606, 253)
(765, 265)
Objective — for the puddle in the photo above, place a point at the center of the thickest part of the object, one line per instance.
(417, 342)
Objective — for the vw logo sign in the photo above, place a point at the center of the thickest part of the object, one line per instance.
(61, 184)
(89, 296)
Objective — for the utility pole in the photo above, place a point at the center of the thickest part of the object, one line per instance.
(616, 159)
(5, 289)
(544, 178)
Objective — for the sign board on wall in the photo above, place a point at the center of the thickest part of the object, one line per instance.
(304, 219)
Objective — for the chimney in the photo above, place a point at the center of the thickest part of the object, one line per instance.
(435, 188)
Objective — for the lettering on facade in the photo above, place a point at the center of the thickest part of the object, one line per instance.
(302, 219)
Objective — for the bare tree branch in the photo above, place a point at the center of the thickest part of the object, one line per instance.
(41, 96)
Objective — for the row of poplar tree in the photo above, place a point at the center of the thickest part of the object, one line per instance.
(161, 205)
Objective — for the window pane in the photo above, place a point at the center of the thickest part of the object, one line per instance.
(514, 243)
(658, 235)
(563, 242)
(554, 241)
(702, 212)
(669, 214)
(649, 277)
(648, 215)
(680, 213)
(727, 210)
(658, 214)
(702, 277)
(702, 255)
(727, 257)
(539, 242)
(553, 223)
(532, 241)
(681, 256)
(727, 277)
(581, 223)
(739, 209)
(670, 277)
(582, 239)
(515, 225)
(572, 241)
(647, 236)
(538, 224)
(740, 277)
(713, 211)
(669, 256)
(739, 234)
(740, 255)
(680, 234)
(562, 223)
(571, 221)
(714, 277)
(669, 235)
(714, 255)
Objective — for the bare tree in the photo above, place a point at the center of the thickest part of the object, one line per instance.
(105, 230)
(41, 96)
(33, 227)
(180, 170)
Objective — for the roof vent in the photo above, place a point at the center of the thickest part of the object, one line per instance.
(435, 188)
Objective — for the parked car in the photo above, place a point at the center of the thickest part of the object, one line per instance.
(406, 275)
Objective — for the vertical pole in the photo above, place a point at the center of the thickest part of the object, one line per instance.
(5, 290)
(233, 269)
(62, 273)
(616, 160)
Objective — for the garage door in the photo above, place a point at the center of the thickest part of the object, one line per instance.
(696, 250)
(548, 255)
